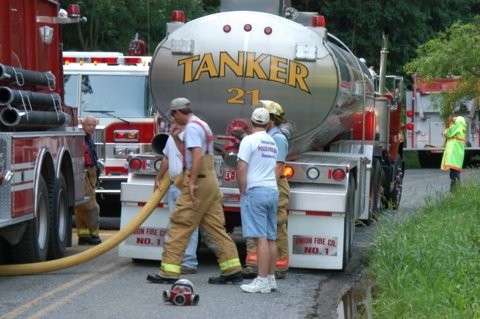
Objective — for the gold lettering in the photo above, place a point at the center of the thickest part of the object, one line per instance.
(188, 67)
(276, 69)
(253, 66)
(207, 65)
(235, 66)
(248, 65)
(297, 73)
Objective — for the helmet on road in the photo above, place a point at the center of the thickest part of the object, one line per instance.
(275, 109)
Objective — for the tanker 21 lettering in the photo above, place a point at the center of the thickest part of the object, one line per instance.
(246, 65)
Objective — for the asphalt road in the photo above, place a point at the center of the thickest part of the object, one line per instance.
(115, 287)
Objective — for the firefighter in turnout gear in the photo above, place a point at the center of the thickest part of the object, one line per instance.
(250, 269)
(454, 152)
(87, 215)
(199, 204)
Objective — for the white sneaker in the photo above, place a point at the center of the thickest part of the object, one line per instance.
(257, 285)
(273, 283)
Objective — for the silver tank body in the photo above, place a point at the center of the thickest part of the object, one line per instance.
(322, 96)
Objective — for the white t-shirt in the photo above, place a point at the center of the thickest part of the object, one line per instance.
(175, 161)
(260, 152)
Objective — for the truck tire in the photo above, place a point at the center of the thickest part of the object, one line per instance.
(375, 197)
(395, 194)
(349, 223)
(61, 217)
(33, 245)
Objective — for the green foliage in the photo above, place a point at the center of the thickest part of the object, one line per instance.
(409, 24)
(411, 160)
(452, 52)
(112, 24)
(426, 266)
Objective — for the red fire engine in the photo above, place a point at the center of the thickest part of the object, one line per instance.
(41, 146)
(113, 88)
(425, 124)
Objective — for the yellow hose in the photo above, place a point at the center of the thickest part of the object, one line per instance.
(95, 251)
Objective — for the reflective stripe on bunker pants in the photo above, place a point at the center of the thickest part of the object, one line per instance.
(282, 236)
(208, 215)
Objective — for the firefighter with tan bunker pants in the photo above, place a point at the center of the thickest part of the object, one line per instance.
(250, 270)
(87, 214)
(199, 204)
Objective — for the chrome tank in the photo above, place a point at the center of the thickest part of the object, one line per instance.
(323, 94)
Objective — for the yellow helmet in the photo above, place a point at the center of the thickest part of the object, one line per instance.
(275, 109)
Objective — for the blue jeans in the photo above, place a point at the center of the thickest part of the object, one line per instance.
(190, 256)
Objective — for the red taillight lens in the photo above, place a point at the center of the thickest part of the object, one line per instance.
(318, 21)
(135, 164)
(409, 113)
(410, 126)
(338, 174)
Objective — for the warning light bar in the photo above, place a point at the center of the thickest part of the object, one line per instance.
(108, 60)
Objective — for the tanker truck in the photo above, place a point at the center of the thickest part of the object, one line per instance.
(344, 162)
(41, 147)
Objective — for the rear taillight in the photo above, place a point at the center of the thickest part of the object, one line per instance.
(135, 164)
(338, 174)
(288, 171)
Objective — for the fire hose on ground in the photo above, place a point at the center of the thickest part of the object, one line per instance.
(95, 251)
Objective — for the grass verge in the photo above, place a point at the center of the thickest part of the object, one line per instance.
(428, 265)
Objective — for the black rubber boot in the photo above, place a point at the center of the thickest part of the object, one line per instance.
(157, 279)
(235, 278)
